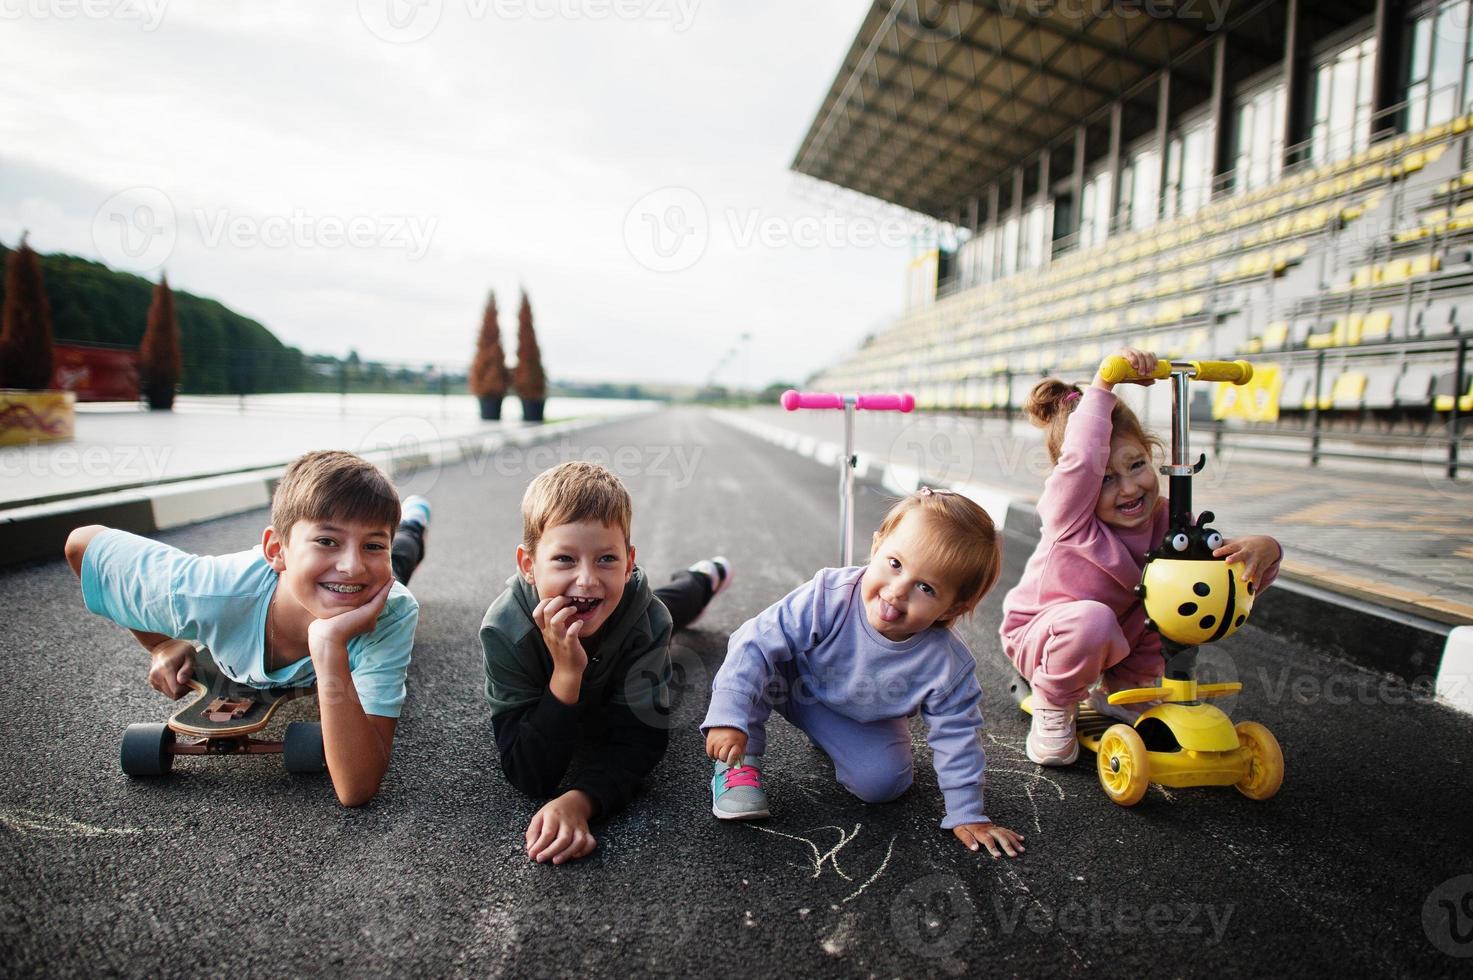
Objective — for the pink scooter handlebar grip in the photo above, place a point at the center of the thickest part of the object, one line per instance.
(902, 402)
(794, 400)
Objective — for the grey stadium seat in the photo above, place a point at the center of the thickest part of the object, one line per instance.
(1414, 387)
(1296, 389)
(1381, 386)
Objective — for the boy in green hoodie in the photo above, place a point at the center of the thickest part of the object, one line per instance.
(577, 648)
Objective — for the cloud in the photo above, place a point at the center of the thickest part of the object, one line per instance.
(519, 144)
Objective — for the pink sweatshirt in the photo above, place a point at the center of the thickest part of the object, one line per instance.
(1079, 556)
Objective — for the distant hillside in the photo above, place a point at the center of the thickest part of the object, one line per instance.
(224, 352)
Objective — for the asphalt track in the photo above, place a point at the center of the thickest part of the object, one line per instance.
(232, 867)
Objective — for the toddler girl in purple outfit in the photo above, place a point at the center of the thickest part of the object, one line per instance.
(849, 656)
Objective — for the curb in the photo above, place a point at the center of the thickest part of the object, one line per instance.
(39, 531)
(1391, 641)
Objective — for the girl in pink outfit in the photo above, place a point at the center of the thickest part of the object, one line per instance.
(1074, 618)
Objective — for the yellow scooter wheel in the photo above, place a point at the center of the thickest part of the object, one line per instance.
(1123, 767)
(1266, 766)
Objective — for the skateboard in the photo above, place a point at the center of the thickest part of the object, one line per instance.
(222, 719)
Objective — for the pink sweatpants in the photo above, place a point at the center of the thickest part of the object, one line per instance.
(1067, 647)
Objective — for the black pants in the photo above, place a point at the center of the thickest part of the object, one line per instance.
(407, 552)
(537, 741)
(685, 595)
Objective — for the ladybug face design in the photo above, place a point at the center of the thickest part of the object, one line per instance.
(1191, 597)
(1195, 543)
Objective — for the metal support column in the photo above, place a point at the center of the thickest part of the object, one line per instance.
(1081, 135)
(1163, 138)
(1046, 246)
(1296, 75)
(1386, 73)
(1222, 119)
(994, 211)
(1117, 113)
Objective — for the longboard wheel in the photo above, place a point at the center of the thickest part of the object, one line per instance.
(301, 749)
(146, 750)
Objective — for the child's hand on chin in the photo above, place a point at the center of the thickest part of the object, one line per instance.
(559, 831)
(346, 625)
(990, 835)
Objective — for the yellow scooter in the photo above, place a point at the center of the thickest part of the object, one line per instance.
(1190, 598)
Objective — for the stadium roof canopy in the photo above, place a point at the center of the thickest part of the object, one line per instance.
(938, 99)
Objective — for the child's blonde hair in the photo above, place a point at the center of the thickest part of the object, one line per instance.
(331, 485)
(960, 540)
(1052, 402)
(570, 493)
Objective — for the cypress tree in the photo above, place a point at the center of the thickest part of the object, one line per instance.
(159, 358)
(529, 378)
(25, 326)
(489, 376)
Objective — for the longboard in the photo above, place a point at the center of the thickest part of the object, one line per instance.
(223, 707)
(222, 719)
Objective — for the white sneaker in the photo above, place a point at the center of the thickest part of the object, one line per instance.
(1051, 738)
(1099, 700)
(717, 570)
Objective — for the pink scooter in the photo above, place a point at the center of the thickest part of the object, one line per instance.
(794, 400)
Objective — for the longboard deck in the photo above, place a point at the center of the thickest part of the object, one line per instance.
(1089, 724)
(225, 708)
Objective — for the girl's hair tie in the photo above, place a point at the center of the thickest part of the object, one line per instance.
(1070, 397)
(924, 491)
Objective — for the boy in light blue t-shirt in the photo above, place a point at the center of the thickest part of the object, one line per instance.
(316, 602)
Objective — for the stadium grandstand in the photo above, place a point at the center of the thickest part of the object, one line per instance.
(1290, 182)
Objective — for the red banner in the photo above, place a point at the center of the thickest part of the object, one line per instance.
(95, 374)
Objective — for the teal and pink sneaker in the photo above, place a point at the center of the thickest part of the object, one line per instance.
(736, 791)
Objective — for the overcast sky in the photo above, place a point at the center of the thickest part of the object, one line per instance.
(358, 173)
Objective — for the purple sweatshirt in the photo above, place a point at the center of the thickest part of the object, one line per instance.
(821, 627)
(1079, 556)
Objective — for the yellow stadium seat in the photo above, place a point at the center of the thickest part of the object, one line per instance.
(1375, 327)
(1275, 334)
(1319, 341)
(1423, 265)
(1348, 391)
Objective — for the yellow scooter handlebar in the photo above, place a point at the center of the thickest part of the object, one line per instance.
(1116, 369)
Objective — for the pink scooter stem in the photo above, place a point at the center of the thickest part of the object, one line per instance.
(902, 402)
